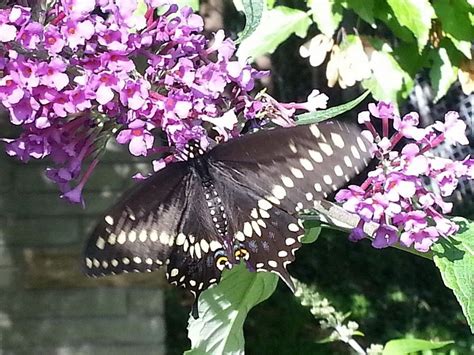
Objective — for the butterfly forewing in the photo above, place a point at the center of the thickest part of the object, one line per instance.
(297, 165)
(138, 233)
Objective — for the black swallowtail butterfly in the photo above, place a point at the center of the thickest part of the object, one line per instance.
(237, 202)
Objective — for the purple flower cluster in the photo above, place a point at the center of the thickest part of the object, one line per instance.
(404, 194)
(96, 69)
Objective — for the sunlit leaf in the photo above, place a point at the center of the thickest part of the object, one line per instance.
(276, 26)
(270, 4)
(415, 15)
(385, 13)
(408, 346)
(194, 4)
(327, 14)
(463, 46)
(223, 309)
(388, 79)
(455, 260)
(442, 73)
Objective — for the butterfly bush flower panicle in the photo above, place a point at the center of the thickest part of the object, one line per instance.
(80, 79)
(404, 194)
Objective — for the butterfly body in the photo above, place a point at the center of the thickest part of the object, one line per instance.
(239, 202)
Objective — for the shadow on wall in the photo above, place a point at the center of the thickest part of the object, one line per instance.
(47, 306)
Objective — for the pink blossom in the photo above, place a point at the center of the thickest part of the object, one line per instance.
(53, 75)
(138, 137)
(397, 196)
(453, 128)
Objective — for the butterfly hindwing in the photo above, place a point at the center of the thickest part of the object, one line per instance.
(265, 235)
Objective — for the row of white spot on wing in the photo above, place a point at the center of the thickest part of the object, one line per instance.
(261, 266)
(116, 262)
(133, 236)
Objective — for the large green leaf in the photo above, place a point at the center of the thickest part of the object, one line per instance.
(253, 10)
(408, 346)
(223, 309)
(454, 17)
(415, 15)
(442, 73)
(385, 13)
(319, 116)
(327, 14)
(455, 260)
(276, 26)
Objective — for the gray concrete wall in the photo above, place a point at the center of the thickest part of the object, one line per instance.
(46, 305)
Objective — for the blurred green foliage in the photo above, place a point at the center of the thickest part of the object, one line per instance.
(380, 44)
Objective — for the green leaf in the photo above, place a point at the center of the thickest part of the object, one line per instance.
(408, 346)
(455, 260)
(253, 10)
(409, 59)
(327, 14)
(270, 4)
(415, 15)
(319, 116)
(454, 16)
(389, 80)
(312, 229)
(463, 46)
(385, 13)
(276, 26)
(442, 73)
(456, 23)
(194, 4)
(363, 8)
(223, 309)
